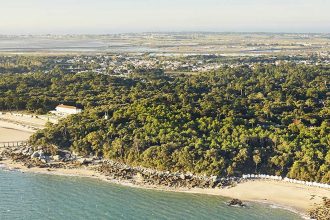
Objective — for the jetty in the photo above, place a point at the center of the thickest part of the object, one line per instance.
(13, 144)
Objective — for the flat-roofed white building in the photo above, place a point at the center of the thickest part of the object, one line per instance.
(67, 109)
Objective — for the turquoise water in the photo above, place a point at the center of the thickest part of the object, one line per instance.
(34, 196)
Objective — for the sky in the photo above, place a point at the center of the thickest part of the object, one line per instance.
(122, 16)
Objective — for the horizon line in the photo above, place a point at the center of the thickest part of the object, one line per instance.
(162, 32)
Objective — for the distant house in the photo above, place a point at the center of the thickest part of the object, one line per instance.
(66, 110)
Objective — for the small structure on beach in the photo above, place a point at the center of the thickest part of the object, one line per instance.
(66, 110)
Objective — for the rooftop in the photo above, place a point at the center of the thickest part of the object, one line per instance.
(66, 106)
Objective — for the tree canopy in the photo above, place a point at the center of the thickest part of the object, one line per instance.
(263, 119)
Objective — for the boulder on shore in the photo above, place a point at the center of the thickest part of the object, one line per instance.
(84, 161)
(322, 211)
(139, 177)
(57, 158)
(236, 202)
(27, 151)
(35, 155)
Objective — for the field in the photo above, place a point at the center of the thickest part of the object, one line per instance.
(227, 44)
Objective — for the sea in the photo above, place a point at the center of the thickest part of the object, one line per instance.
(40, 196)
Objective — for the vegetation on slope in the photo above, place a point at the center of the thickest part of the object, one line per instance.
(267, 119)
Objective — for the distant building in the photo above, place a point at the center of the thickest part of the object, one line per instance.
(66, 110)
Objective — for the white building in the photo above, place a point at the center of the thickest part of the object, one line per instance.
(67, 110)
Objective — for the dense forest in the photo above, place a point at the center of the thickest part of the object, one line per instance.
(261, 119)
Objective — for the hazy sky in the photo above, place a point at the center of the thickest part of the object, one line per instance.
(113, 16)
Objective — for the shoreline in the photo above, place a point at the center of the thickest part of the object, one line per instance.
(23, 121)
(289, 196)
(13, 130)
(243, 190)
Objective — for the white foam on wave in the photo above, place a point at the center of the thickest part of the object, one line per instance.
(275, 207)
(303, 216)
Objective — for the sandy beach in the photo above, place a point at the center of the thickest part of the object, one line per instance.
(15, 127)
(11, 134)
(299, 197)
(22, 121)
(295, 197)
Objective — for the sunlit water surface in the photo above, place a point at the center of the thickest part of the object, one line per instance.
(34, 196)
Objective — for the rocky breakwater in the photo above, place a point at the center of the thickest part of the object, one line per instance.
(40, 157)
(144, 176)
(57, 158)
(321, 211)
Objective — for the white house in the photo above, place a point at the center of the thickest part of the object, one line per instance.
(67, 109)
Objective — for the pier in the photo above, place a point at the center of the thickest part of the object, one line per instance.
(13, 144)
